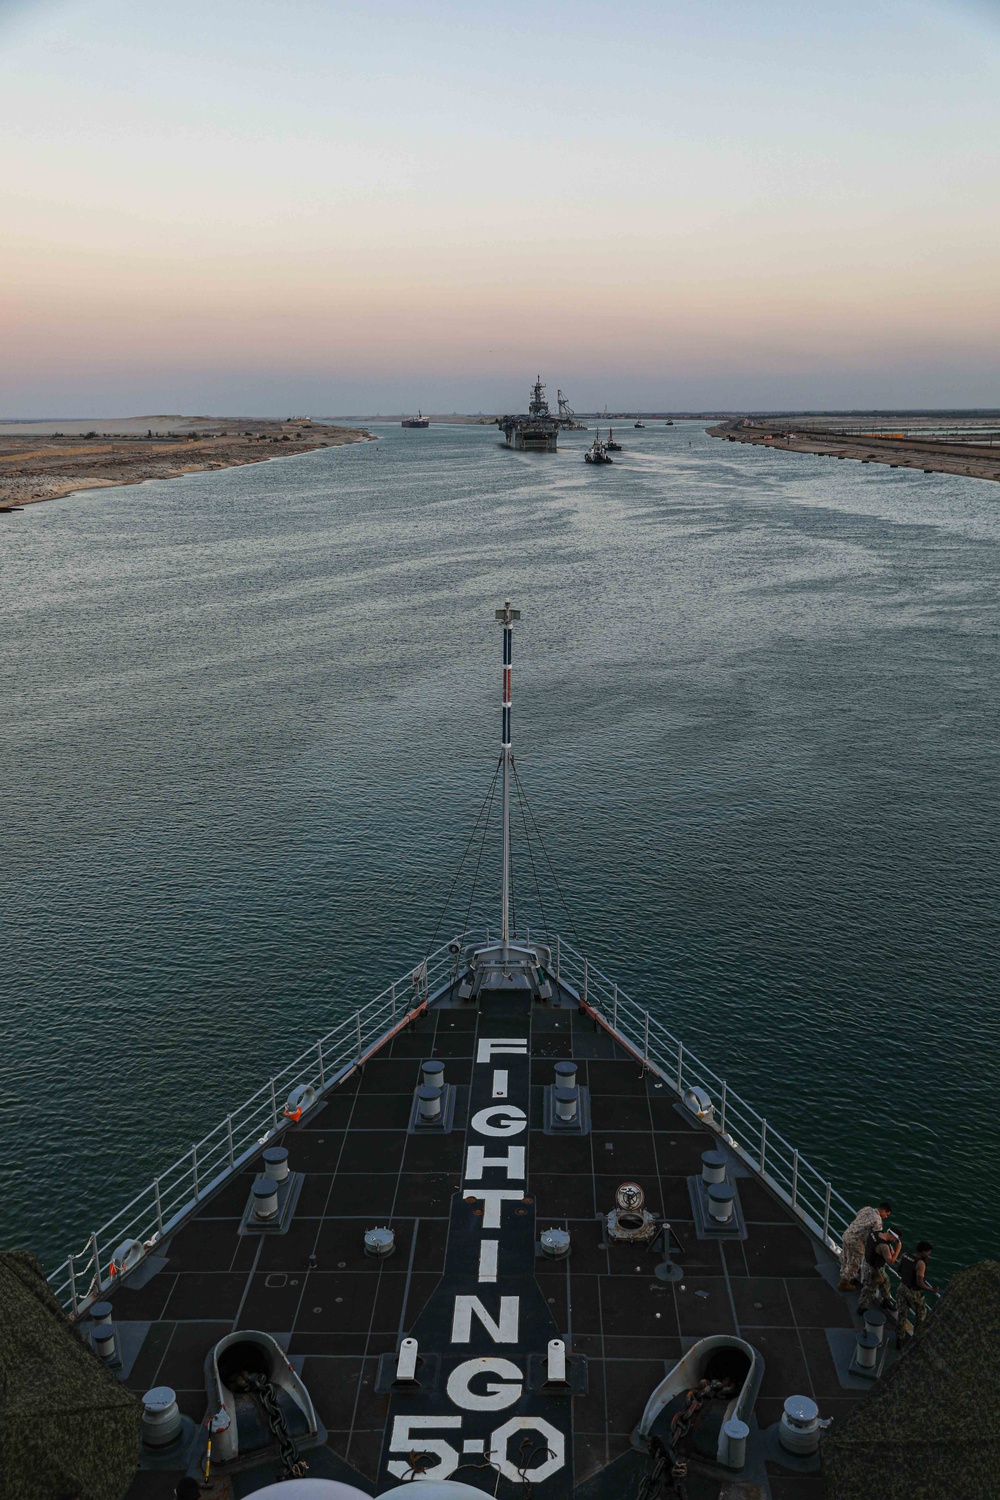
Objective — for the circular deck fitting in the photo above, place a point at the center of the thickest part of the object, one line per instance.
(380, 1242)
(554, 1243)
(798, 1430)
(161, 1418)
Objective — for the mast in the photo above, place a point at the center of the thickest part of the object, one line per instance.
(506, 616)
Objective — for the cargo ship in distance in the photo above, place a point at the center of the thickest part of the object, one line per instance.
(418, 421)
(498, 1232)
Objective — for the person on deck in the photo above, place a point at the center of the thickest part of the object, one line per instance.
(864, 1223)
(882, 1250)
(913, 1284)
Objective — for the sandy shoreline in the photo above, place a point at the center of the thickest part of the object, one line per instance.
(973, 461)
(48, 465)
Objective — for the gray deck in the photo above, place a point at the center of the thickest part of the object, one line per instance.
(337, 1314)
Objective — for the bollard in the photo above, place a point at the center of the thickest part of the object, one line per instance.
(432, 1073)
(713, 1167)
(265, 1196)
(720, 1202)
(429, 1104)
(875, 1322)
(565, 1072)
(567, 1102)
(102, 1336)
(866, 1352)
(276, 1163)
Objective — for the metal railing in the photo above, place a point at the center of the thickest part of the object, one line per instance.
(804, 1189)
(162, 1207)
(159, 1209)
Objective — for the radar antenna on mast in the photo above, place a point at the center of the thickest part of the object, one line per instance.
(538, 406)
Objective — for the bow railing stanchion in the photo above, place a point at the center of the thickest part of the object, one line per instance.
(175, 1193)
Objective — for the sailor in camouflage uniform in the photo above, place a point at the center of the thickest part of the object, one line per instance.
(865, 1222)
(882, 1250)
(913, 1284)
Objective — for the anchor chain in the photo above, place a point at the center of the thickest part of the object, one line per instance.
(659, 1484)
(292, 1466)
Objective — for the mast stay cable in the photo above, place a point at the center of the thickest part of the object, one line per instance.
(541, 843)
(488, 799)
(482, 844)
(531, 856)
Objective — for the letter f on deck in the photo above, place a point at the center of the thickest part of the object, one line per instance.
(494, 1046)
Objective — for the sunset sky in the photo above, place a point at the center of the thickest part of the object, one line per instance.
(330, 208)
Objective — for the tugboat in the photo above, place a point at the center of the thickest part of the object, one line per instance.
(640, 424)
(418, 421)
(597, 453)
(611, 445)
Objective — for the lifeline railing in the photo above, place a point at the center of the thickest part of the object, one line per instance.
(172, 1197)
(811, 1196)
(159, 1209)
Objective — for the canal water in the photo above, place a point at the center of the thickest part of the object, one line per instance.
(248, 719)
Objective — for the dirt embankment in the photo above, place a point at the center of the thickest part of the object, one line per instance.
(42, 467)
(975, 461)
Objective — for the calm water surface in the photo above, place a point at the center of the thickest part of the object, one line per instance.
(248, 718)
